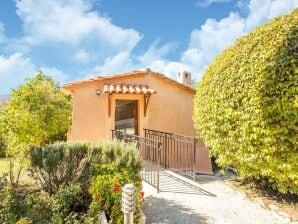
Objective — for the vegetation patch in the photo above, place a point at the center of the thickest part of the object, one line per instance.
(75, 182)
(246, 105)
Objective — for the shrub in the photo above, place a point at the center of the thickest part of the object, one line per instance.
(23, 206)
(68, 204)
(65, 170)
(64, 163)
(72, 162)
(106, 191)
(246, 105)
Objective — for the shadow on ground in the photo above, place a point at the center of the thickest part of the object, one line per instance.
(162, 211)
(170, 183)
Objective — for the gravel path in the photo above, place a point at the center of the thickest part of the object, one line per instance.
(212, 202)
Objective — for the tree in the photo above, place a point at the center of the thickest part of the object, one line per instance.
(246, 104)
(37, 113)
(2, 139)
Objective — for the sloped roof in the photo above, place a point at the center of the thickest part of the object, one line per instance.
(127, 74)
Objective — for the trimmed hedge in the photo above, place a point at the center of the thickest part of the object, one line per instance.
(246, 105)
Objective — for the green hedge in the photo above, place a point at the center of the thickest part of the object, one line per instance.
(246, 105)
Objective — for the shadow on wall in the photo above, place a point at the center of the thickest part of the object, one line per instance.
(162, 211)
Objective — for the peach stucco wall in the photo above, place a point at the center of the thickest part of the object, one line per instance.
(170, 109)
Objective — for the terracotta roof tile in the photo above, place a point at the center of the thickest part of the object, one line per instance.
(132, 89)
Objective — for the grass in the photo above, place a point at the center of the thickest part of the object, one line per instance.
(4, 166)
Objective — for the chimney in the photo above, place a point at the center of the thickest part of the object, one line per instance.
(184, 78)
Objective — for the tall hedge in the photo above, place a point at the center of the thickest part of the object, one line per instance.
(246, 105)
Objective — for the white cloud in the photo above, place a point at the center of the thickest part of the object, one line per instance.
(15, 68)
(119, 63)
(82, 56)
(156, 52)
(206, 3)
(215, 35)
(71, 22)
(125, 61)
(205, 42)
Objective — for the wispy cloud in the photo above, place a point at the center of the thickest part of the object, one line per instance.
(206, 3)
(92, 43)
(15, 68)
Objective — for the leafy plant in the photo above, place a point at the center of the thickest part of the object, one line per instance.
(23, 206)
(38, 112)
(246, 105)
(64, 163)
(106, 191)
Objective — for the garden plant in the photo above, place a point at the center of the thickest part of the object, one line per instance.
(246, 105)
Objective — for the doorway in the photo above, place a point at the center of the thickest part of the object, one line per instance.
(126, 116)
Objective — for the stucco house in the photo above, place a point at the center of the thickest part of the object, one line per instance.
(131, 102)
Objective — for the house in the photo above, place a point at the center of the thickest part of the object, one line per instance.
(131, 102)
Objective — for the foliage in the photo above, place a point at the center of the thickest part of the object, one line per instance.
(3, 144)
(65, 170)
(68, 204)
(63, 163)
(246, 105)
(106, 191)
(72, 162)
(38, 112)
(19, 206)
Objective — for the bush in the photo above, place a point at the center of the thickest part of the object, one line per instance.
(66, 171)
(246, 104)
(106, 191)
(68, 204)
(64, 163)
(23, 206)
(72, 162)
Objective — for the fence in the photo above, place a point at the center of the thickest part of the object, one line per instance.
(150, 150)
(178, 152)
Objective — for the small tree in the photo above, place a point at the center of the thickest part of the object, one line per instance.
(37, 113)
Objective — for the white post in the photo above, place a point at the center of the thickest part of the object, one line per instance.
(128, 202)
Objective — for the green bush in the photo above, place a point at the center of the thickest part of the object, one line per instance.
(23, 206)
(68, 205)
(66, 171)
(64, 163)
(73, 162)
(106, 191)
(246, 105)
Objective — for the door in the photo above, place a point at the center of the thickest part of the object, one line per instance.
(126, 116)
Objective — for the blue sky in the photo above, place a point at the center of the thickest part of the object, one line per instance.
(76, 39)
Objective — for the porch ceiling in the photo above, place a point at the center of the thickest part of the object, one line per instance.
(127, 89)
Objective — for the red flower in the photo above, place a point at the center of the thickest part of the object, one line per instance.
(142, 194)
(97, 198)
(117, 187)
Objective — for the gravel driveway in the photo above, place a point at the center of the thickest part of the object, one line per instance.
(211, 202)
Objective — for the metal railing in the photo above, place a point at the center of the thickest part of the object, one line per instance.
(149, 150)
(178, 152)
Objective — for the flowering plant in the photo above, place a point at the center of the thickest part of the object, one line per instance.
(106, 191)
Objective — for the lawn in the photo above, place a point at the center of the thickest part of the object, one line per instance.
(4, 166)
